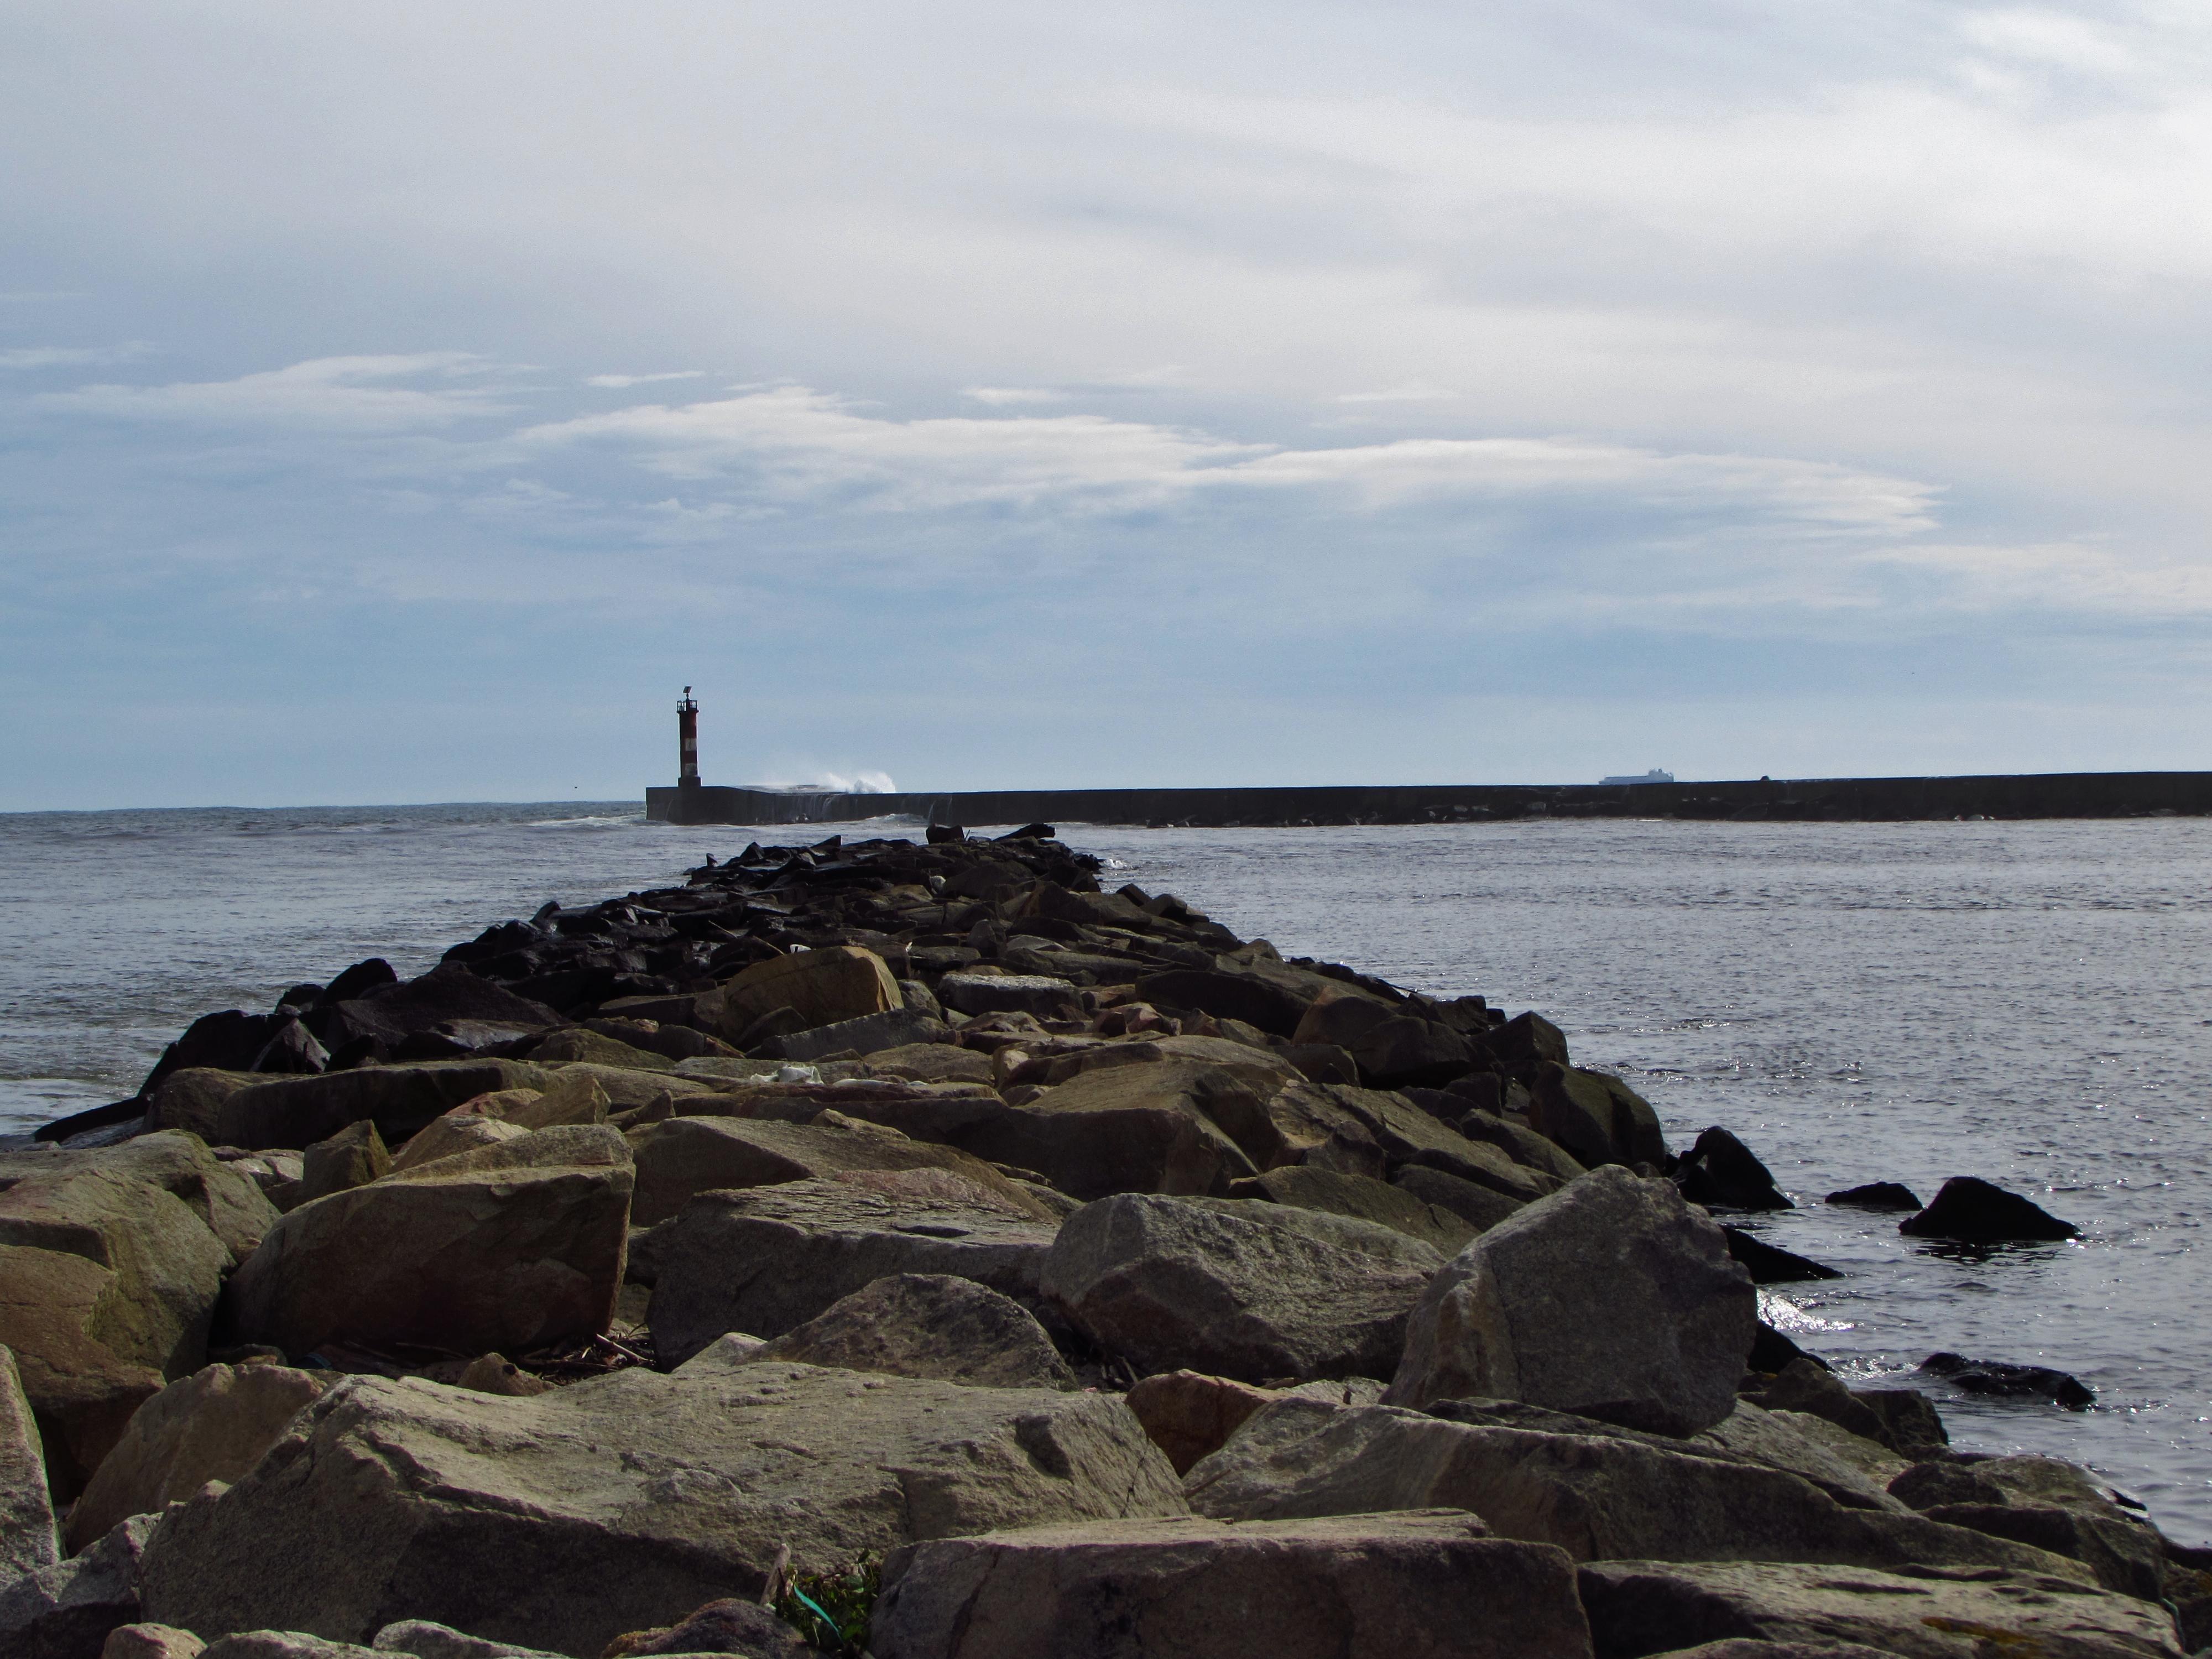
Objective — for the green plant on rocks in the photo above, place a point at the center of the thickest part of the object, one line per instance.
(832, 1610)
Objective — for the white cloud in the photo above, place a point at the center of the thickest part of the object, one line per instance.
(1003, 396)
(1414, 393)
(357, 392)
(799, 444)
(617, 382)
(32, 357)
(795, 443)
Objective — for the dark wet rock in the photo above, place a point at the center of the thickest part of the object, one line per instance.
(1595, 1117)
(1612, 1298)
(1720, 1171)
(1910, 1420)
(1480, 1206)
(1805, 1385)
(291, 1047)
(1992, 1376)
(928, 1325)
(228, 1042)
(1270, 1006)
(624, 1502)
(1521, 1144)
(1770, 1264)
(1391, 1049)
(297, 1112)
(1356, 1588)
(1925, 1485)
(1773, 1352)
(1972, 1211)
(1639, 1607)
(358, 981)
(1525, 1044)
(1876, 1195)
(392, 1013)
(1235, 1289)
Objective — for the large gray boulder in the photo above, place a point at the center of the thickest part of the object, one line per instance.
(1367, 1587)
(1596, 1493)
(66, 1611)
(507, 1248)
(1640, 1608)
(212, 1425)
(768, 1258)
(1236, 1288)
(27, 1538)
(680, 1158)
(225, 1198)
(562, 1520)
(1309, 1186)
(107, 1287)
(929, 1325)
(1612, 1298)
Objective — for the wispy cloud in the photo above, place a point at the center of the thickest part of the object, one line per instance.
(1007, 396)
(32, 357)
(794, 443)
(617, 382)
(363, 393)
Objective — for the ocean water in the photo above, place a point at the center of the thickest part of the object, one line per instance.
(2024, 1002)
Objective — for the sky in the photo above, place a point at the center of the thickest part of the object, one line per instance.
(404, 403)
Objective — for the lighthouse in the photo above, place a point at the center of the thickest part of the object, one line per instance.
(687, 737)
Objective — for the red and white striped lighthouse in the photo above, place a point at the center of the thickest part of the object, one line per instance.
(687, 732)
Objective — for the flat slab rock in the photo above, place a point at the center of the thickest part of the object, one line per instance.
(564, 1519)
(1363, 1587)
(1597, 1495)
(768, 1258)
(1640, 1608)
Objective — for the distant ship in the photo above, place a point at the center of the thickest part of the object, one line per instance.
(1654, 775)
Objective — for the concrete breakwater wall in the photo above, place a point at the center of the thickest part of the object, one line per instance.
(2046, 795)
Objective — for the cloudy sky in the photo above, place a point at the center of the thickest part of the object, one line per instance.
(403, 402)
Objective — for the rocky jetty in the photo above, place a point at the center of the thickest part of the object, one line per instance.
(918, 1250)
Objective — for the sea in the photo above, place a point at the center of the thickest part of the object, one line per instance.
(2031, 1003)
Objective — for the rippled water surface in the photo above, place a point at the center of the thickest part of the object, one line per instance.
(1859, 1002)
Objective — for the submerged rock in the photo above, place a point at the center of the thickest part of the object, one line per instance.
(1876, 1195)
(1995, 1377)
(1972, 1211)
